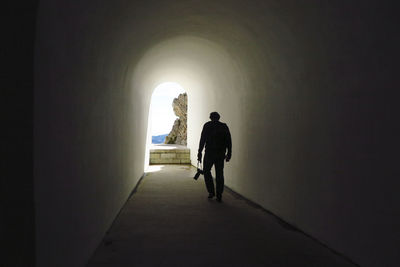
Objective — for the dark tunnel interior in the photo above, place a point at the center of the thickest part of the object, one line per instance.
(308, 88)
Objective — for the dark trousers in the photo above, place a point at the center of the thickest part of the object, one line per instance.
(218, 161)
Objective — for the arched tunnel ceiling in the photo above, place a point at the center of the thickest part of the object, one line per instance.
(208, 73)
(202, 67)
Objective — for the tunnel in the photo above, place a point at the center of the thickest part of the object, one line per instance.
(307, 88)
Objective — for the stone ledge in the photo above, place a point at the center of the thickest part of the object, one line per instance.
(183, 156)
(168, 155)
(172, 155)
(169, 150)
(169, 161)
(166, 161)
(155, 155)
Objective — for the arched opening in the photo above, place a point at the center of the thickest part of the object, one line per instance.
(212, 77)
(167, 121)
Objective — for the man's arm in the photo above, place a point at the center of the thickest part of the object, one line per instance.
(202, 143)
(228, 144)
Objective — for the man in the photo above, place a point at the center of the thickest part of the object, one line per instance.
(217, 140)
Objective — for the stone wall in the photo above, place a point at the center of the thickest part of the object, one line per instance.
(170, 156)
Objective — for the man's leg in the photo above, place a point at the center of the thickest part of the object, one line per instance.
(219, 171)
(208, 162)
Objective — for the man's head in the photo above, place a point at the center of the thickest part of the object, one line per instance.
(214, 116)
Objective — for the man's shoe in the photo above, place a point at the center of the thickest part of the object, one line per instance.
(219, 199)
(211, 195)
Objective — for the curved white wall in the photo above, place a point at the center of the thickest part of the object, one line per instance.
(288, 78)
(207, 73)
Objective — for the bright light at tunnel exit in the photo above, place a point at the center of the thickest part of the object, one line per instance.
(162, 114)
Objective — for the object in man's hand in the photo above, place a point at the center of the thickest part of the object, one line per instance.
(199, 171)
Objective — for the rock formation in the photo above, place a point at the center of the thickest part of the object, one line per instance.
(178, 133)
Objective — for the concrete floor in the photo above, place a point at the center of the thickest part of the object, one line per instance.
(170, 222)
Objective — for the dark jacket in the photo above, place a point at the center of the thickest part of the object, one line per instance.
(216, 138)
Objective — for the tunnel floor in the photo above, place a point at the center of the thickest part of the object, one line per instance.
(169, 221)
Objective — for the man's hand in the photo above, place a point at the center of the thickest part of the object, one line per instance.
(228, 157)
(199, 156)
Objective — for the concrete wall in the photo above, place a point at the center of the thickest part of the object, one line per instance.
(17, 222)
(304, 86)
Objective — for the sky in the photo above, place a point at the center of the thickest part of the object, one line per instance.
(162, 114)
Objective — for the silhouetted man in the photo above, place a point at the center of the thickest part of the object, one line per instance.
(217, 139)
